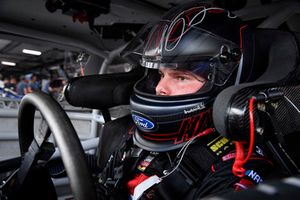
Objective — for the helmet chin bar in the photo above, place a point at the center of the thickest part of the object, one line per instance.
(152, 146)
(167, 123)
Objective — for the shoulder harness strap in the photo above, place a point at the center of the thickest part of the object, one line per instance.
(198, 159)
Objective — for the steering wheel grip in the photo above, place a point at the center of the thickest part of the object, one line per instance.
(66, 138)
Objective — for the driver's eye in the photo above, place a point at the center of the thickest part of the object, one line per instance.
(161, 75)
(181, 78)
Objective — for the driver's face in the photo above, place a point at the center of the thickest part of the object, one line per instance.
(177, 82)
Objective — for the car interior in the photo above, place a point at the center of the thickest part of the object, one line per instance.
(266, 96)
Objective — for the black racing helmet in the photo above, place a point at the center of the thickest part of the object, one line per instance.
(196, 37)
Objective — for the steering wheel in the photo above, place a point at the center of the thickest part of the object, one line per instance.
(72, 153)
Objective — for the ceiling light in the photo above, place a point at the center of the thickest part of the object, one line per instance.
(8, 63)
(32, 52)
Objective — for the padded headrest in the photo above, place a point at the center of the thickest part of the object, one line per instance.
(272, 56)
(102, 91)
(269, 55)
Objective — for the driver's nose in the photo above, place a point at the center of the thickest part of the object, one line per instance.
(163, 88)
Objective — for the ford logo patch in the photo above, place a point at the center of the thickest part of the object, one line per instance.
(142, 122)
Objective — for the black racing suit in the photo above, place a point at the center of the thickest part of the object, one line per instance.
(205, 168)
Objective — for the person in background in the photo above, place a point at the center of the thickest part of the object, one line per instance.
(34, 84)
(22, 86)
(11, 84)
(55, 87)
(6, 82)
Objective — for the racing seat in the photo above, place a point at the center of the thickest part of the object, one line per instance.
(271, 79)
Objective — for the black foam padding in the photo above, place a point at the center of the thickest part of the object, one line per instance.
(221, 107)
(112, 136)
(271, 56)
(102, 91)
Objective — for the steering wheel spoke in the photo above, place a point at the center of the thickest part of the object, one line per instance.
(35, 146)
(43, 132)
